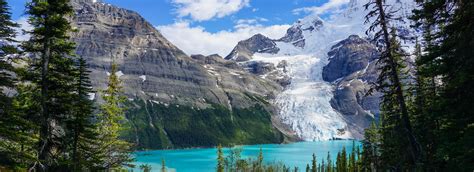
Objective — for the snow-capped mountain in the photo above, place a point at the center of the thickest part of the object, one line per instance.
(313, 106)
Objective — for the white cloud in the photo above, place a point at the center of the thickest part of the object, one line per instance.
(196, 40)
(201, 10)
(24, 26)
(332, 5)
(246, 23)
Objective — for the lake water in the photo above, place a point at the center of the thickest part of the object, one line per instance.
(204, 160)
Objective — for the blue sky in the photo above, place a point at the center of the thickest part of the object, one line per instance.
(217, 24)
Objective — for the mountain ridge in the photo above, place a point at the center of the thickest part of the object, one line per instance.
(156, 75)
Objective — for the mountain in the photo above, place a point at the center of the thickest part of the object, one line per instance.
(328, 65)
(174, 100)
(352, 67)
(247, 48)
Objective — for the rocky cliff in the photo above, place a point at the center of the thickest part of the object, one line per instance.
(156, 73)
(352, 68)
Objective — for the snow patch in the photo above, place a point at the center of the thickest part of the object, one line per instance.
(91, 96)
(119, 74)
(143, 77)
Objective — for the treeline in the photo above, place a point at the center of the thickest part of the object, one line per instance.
(426, 121)
(345, 162)
(186, 126)
(47, 120)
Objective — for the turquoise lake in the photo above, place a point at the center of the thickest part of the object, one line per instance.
(204, 160)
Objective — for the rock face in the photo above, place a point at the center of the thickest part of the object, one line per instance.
(351, 68)
(153, 70)
(247, 48)
(348, 56)
(294, 34)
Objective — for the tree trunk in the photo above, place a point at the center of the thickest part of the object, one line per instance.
(45, 146)
(415, 150)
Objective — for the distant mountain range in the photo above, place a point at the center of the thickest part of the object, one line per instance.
(308, 85)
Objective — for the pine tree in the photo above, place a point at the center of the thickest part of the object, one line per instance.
(52, 74)
(448, 31)
(220, 159)
(163, 165)
(260, 159)
(352, 166)
(329, 162)
(81, 130)
(343, 160)
(113, 151)
(370, 149)
(145, 168)
(396, 124)
(314, 164)
(18, 130)
(308, 169)
(323, 166)
(11, 138)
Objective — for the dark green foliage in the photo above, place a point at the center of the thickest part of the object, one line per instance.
(12, 137)
(397, 136)
(81, 130)
(53, 76)
(234, 162)
(220, 159)
(440, 100)
(163, 165)
(157, 126)
(145, 168)
(446, 79)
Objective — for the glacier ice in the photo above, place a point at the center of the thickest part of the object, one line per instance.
(305, 104)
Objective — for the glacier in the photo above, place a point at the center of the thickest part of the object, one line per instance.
(305, 104)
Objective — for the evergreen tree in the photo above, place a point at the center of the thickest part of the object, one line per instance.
(81, 130)
(323, 166)
(329, 163)
(11, 138)
(308, 169)
(145, 168)
(163, 165)
(395, 120)
(352, 166)
(260, 161)
(220, 159)
(52, 75)
(314, 164)
(370, 149)
(113, 152)
(343, 159)
(448, 29)
(18, 145)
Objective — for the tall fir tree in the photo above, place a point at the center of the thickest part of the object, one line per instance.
(314, 164)
(8, 136)
(329, 163)
(53, 75)
(114, 153)
(81, 129)
(163, 165)
(448, 27)
(369, 160)
(397, 132)
(220, 159)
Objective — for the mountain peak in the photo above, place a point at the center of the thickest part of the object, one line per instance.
(295, 34)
